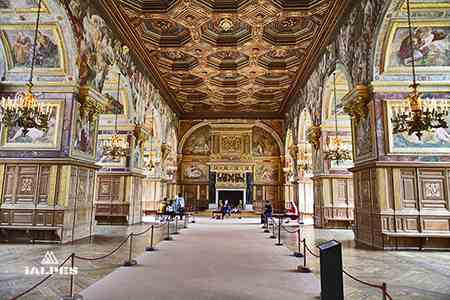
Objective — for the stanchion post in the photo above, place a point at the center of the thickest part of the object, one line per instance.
(266, 230)
(176, 226)
(304, 268)
(71, 274)
(168, 238)
(193, 217)
(150, 248)
(71, 296)
(130, 262)
(273, 230)
(185, 221)
(279, 233)
(384, 288)
(299, 252)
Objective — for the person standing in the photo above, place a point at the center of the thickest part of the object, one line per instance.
(267, 214)
(180, 204)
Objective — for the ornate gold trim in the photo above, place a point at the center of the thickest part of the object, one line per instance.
(356, 102)
(313, 135)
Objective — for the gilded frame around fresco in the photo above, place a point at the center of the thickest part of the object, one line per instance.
(389, 136)
(56, 138)
(57, 33)
(44, 9)
(387, 48)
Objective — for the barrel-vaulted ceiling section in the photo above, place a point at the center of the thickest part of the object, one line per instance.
(227, 58)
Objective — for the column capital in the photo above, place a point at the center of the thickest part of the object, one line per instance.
(356, 101)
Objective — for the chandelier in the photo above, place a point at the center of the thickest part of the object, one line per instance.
(335, 149)
(116, 148)
(416, 116)
(303, 163)
(24, 111)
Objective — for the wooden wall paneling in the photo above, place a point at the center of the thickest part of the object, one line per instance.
(27, 184)
(433, 190)
(10, 184)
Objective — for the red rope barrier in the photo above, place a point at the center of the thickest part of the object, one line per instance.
(310, 251)
(381, 287)
(106, 255)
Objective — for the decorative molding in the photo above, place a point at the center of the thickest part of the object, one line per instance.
(356, 102)
(313, 135)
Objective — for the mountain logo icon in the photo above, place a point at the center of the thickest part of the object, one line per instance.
(49, 259)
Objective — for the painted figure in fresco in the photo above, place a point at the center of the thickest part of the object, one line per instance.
(193, 172)
(84, 142)
(438, 138)
(46, 51)
(427, 46)
(34, 135)
(259, 149)
(22, 49)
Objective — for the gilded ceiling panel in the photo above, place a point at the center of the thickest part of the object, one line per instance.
(228, 56)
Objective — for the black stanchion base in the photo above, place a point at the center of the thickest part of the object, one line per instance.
(175, 233)
(273, 237)
(130, 263)
(149, 249)
(302, 269)
(75, 297)
(193, 221)
(297, 254)
(279, 244)
(266, 231)
(168, 238)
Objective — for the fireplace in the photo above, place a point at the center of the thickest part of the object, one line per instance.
(234, 197)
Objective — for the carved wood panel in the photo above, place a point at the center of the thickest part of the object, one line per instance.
(109, 189)
(408, 186)
(26, 184)
(433, 189)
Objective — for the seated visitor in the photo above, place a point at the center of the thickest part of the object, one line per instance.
(162, 211)
(226, 209)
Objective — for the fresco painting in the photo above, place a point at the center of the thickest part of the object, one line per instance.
(85, 134)
(195, 172)
(22, 5)
(36, 138)
(20, 44)
(264, 144)
(431, 46)
(198, 143)
(266, 173)
(436, 141)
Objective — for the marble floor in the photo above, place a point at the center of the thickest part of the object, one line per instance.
(410, 275)
(14, 258)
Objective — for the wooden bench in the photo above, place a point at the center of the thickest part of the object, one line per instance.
(216, 214)
(29, 229)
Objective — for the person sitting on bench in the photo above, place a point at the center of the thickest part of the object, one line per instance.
(226, 210)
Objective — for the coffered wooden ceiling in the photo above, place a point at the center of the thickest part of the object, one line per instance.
(227, 58)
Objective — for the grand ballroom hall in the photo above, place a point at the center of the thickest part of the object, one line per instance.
(224, 149)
